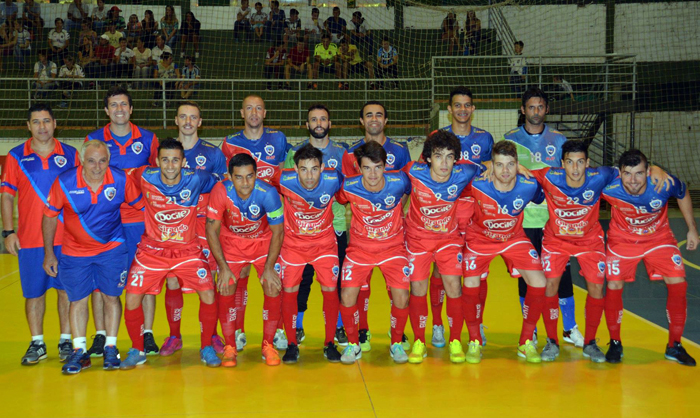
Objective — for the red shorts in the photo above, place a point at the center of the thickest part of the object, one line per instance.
(465, 210)
(445, 252)
(152, 265)
(392, 262)
(323, 256)
(590, 254)
(240, 252)
(662, 258)
(518, 254)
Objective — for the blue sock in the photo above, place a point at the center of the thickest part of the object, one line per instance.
(522, 303)
(300, 320)
(568, 312)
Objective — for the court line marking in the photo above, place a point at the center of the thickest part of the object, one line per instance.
(686, 262)
(359, 366)
(8, 274)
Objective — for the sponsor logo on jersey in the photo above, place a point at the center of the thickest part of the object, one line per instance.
(655, 204)
(550, 149)
(254, 209)
(496, 224)
(588, 195)
(389, 200)
(60, 160)
(533, 254)
(518, 204)
(332, 163)
(269, 149)
(452, 190)
(248, 229)
(201, 160)
(677, 260)
(110, 192)
(571, 214)
(390, 159)
(476, 150)
(325, 198)
(26, 159)
(601, 266)
(435, 211)
(137, 147)
(206, 252)
(265, 172)
(202, 273)
(278, 268)
(373, 220)
(81, 191)
(171, 216)
(185, 194)
(640, 221)
(307, 216)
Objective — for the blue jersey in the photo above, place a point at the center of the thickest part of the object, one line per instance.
(269, 151)
(397, 156)
(208, 157)
(476, 147)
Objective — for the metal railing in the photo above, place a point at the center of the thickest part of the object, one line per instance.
(503, 30)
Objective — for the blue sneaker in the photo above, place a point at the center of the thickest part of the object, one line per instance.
(133, 358)
(111, 359)
(209, 357)
(78, 361)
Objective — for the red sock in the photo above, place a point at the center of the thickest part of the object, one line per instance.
(550, 316)
(676, 311)
(532, 310)
(330, 313)
(472, 311)
(363, 305)
(134, 325)
(398, 323)
(437, 296)
(173, 310)
(227, 318)
(351, 318)
(289, 315)
(272, 309)
(594, 311)
(613, 312)
(483, 291)
(418, 310)
(241, 302)
(455, 318)
(207, 322)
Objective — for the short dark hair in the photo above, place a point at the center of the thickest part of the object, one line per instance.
(325, 36)
(275, 3)
(336, 8)
(460, 91)
(258, 4)
(385, 39)
(171, 143)
(441, 139)
(372, 150)
(535, 92)
(506, 148)
(344, 41)
(241, 160)
(69, 58)
(43, 52)
(165, 56)
(373, 102)
(57, 20)
(39, 107)
(308, 152)
(122, 39)
(318, 106)
(521, 43)
(190, 103)
(632, 158)
(574, 145)
(294, 12)
(315, 10)
(118, 90)
(191, 58)
(357, 14)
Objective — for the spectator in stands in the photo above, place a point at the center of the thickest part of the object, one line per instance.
(450, 31)
(86, 30)
(297, 62)
(31, 16)
(190, 75)
(124, 59)
(275, 59)
(77, 11)
(189, 32)
(242, 23)
(7, 39)
(113, 34)
(325, 58)
(8, 11)
(360, 36)
(149, 26)
(352, 63)
(45, 72)
(258, 20)
(165, 71)
(336, 26)
(133, 30)
(104, 57)
(113, 16)
(518, 69)
(313, 28)
(87, 60)
(563, 88)
(23, 43)
(472, 33)
(70, 79)
(142, 63)
(99, 16)
(292, 29)
(158, 50)
(58, 41)
(169, 25)
(388, 62)
(275, 22)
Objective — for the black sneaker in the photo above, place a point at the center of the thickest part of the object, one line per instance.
(363, 335)
(98, 346)
(331, 353)
(65, 349)
(614, 354)
(35, 353)
(292, 354)
(149, 344)
(301, 336)
(678, 353)
(340, 337)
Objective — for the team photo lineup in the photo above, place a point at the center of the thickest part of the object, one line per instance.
(128, 213)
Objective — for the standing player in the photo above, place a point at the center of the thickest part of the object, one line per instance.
(539, 146)
(252, 216)
(29, 171)
(496, 229)
(269, 148)
(94, 255)
(432, 235)
(639, 230)
(200, 155)
(308, 193)
(170, 247)
(377, 239)
(319, 125)
(130, 146)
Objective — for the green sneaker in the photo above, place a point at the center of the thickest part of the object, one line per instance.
(456, 352)
(474, 352)
(418, 353)
(365, 336)
(528, 351)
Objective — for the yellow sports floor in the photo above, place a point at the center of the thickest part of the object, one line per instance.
(644, 385)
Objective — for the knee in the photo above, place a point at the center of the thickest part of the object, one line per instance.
(419, 288)
(615, 285)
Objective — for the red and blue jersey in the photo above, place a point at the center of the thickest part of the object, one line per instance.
(573, 212)
(377, 217)
(476, 147)
(397, 156)
(136, 149)
(644, 216)
(31, 176)
(307, 213)
(269, 151)
(207, 157)
(92, 218)
(433, 208)
(498, 216)
(249, 218)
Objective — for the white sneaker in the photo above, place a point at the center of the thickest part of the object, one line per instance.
(534, 337)
(280, 340)
(351, 353)
(438, 336)
(241, 340)
(574, 337)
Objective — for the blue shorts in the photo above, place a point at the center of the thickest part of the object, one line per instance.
(105, 272)
(35, 281)
(133, 232)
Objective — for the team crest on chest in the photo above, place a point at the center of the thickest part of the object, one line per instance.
(137, 147)
(551, 149)
(332, 163)
(389, 200)
(325, 198)
(518, 204)
(588, 195)
(185, 194)
(201, 160)
(110, 192)
(390, 159)
(655, 204)
(476, 149)
(452, 190)
(269, 149)
(60, 160)
(254, 209)
(677, 260)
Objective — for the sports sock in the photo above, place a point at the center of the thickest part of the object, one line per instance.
(207, 322)
(241, 302)
(65, 337)
(133, 318)
(568, 313)
(300, 320)
(149, 331)
(532, 309)
(676, 311)
(418, 311)
(173, 310)
(437, 297)
(330, 312)
(100, 332)
(594, 312)
(550, 317)
(272, 310)
(483, 292)
(398, 323)
(363, 306)
(80, 342)
(110, 341)
(351, 319)
(39, 338)
(227, 318)
(455, 317)
(613, 312)
(289, 315)
(472, 311)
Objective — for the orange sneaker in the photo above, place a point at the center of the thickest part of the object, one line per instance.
(270, 355)
(229, 357)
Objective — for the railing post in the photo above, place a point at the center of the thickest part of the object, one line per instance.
(97, 108)
(607, 79)
(233, 107)
(29, 93)
(539, 83)
(162, 88)
(299, 101)
(432, 76)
